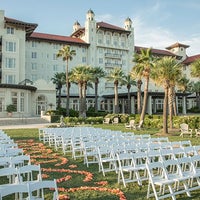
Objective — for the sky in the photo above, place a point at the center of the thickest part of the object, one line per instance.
(157, 23)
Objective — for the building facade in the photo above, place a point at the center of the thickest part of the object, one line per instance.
(28, 61)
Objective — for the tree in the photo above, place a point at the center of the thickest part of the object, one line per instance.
(184, 85)
(128, 81)
(144, 62)
(196, 89)
(59, 80)
(67, 54)
(116, 75)
(98, 73)
(175, 74)
(163, 71)
(195, 68)
(82, 75)
(137, 76)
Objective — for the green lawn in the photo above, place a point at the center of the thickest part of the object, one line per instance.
(74, 177)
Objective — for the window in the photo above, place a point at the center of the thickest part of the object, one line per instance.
(100, 50)
(55, 68)
(22, 102)
(33, 77)
(2, 100)
(100, 60)
(54, 56)
(14, 98)
(10, 63)
(83, 50)
(10, 30)
(108, 38)
(34, 66)
(75, 105)
(56, 46)
(11, 46)
(34, 55)
(34, 44)
(84, 59)
(10, 79)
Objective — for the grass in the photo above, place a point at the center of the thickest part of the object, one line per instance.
(76, 180)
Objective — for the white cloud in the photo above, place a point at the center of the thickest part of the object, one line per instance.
(158, 37)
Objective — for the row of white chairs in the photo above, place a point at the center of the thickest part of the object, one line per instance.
(26, 190)
(173, 177)
(20, 179)
(25, 179)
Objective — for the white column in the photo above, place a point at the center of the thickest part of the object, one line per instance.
(149, 105)
(133, 104)
(184, 105)
(154, 105)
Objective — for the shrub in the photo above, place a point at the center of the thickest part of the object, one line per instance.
(11, 108)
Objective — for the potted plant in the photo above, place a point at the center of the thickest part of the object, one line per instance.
(10, 109)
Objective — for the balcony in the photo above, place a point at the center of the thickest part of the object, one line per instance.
(113, 55)
(111, 65)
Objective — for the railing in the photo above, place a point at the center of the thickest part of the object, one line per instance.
(113, 55)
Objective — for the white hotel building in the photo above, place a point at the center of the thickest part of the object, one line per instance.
(28, 62)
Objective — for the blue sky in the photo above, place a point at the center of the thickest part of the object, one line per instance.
(157, 23)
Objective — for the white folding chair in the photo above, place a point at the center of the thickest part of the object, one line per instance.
(30, 173)
(16, 190)
(106, 160)
(14, 152)
(196, 176)
(126, 169)
(21, 160)
(90, 153)
(39, 186)
(174, 173)
(166, 154)
(10, 175)
(139, 162)
(158, 181)
(178, 152)
(5, 161)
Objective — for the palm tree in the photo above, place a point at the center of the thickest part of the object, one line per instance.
(82, 75)
(67, 54)
(184, 85)
(116, 75)
(98, 73)
(163, 71)
(135, 75)
(128, 81)
(195, 72)
(175, 75)
(195, 68)
(59, 80)
(196, 89)
(144, 62)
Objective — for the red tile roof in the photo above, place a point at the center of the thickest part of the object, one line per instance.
(59, 38)
(191, 59)
(156, 51)
(101, 25)
(109, 26)
(29, 27)
(177, 45)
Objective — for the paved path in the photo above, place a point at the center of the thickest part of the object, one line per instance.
(24, 126)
